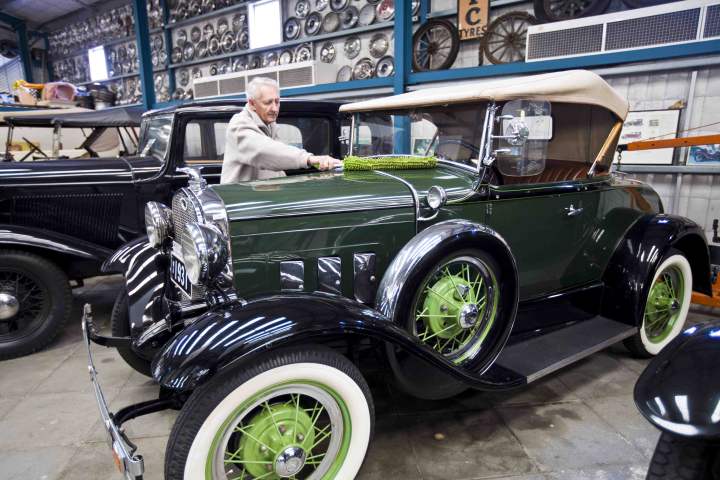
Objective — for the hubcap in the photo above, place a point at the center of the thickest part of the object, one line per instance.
(468, 315)
(663, 305)
(9, 306)
(290, 462)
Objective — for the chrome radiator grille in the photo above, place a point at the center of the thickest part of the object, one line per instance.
(184, 211)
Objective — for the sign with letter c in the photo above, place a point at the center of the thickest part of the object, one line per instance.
(472, 18)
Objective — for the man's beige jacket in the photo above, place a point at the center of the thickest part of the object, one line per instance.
(253, 153)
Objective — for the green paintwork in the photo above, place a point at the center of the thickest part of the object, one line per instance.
(276, 426)
(338, 214)
(663, 305)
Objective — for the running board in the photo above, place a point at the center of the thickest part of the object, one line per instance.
(539, 356)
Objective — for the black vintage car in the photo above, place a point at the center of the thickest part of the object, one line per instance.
(679, 393)
(61, 219)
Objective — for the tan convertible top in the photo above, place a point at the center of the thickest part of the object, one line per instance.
(573, 86)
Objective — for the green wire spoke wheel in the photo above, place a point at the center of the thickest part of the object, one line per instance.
(292, 431)
(301, 413)
(662, 308)
(456, 306)
(666, 306)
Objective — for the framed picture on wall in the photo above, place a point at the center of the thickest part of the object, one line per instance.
(704, 155)
(646, 125)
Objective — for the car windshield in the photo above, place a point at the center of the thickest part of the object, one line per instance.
(155, 136)
(451, 132)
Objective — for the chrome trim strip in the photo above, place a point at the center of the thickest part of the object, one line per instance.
(580, 355)
(133, 466)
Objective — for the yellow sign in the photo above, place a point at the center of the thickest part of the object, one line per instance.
(472, 18)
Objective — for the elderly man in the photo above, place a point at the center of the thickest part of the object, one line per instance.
(251, 149)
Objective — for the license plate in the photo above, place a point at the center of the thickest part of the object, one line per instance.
(178, 274)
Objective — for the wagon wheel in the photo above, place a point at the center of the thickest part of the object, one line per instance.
(506, 36)
(435, 46)
(555, 10)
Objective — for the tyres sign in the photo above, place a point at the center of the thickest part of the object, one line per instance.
(472, 18)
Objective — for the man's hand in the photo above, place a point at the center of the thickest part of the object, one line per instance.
(323, 162)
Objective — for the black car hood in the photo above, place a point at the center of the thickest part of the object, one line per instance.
(85, 170)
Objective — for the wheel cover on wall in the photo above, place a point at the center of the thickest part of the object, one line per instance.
(506, 37)
(664, 304)
(456, 307)
(555, 10)
(293, 430)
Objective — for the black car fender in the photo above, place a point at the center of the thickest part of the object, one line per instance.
(77, 257)
(229, 335)
(679, 390)
(429, 247)
(628, 275)
(144, 280)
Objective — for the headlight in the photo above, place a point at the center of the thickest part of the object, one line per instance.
(436, 197)
(204, 251)
(158, 222)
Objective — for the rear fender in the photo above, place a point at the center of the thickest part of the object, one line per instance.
(679, 390)
(631, 268)
(226, 336)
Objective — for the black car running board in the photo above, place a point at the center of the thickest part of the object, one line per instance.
(539, 356)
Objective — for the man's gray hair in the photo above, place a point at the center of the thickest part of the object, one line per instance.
(253, 88)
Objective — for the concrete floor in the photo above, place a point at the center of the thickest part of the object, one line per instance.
(577, 424)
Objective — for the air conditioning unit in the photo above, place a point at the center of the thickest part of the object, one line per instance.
(669, 24)
(301, 74)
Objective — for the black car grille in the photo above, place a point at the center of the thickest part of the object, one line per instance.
(93, 217)
(184, 211)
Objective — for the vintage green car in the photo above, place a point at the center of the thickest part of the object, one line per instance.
(484, 244)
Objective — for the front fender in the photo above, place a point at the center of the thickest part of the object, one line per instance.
(630, 271)
(144, 279)
(679, 390)
(224, 337)
(42, 239)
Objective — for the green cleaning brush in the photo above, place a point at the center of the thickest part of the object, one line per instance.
(399, 162)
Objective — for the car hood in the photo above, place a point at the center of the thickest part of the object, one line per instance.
(335, 192)
(85, 170)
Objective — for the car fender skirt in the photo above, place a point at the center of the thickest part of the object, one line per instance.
(678, 391)
(225, 337)
(638, 254)
(37, 238)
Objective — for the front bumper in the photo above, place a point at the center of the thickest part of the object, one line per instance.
(124, 451)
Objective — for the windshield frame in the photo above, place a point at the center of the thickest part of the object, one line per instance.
(145, 128)
(356, 121)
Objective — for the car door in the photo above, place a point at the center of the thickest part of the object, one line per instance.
(547, 228)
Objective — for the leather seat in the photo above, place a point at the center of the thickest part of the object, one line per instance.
(555, 171)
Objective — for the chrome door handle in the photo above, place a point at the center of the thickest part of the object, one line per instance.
(571, 211)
